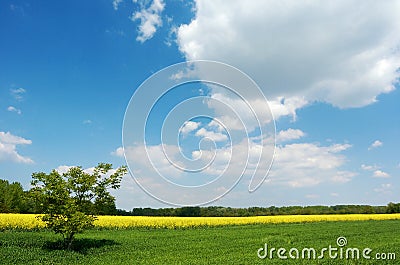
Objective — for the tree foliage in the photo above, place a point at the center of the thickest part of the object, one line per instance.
(71, 201)
(12, 197)
(257, 211)
(393, 207)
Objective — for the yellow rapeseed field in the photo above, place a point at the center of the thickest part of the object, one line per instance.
(23, 221)
(28, 221)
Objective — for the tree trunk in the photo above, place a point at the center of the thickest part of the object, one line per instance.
(69, 239)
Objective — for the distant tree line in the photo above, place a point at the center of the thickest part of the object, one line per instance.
(219, 211)
(13, 199)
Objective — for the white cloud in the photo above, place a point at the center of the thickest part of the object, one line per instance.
(215, 136)
(14, 109)
(295, 166)
(380, 174)
(116, 4)
(312, 196)
(385, 188)
(186, 73)
(158, 159)
(281, 106)
(377, 173)
(344, 53)
(118, 152)
(236, 114)
(248, 110)
(337, 148)
(8, 145)
(87, 122)
(375, 144)
(189, 126)
(8, 138)
(308, 164)
(18, 93)
(343, 176)
(63, 169)
(369, 167)
(288, 135)
(334, 194)
(217, 126)
(150, 19)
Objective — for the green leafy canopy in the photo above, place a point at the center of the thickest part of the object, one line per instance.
(70, 201)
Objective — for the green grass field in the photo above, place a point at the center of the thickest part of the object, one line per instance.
(217, 245)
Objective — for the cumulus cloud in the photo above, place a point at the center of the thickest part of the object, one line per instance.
(288, 135)
(380, 174)
(8, 148)
(344, 53)
(281, 106)
(308, 164)
(295, 165)
(236, 113)
(375, 144)
(118, 152)
(215, 125)
(215, 136)
(14, 109)
(63, 169)
(369, 167)
(155, 157)
(8, 138)
(150, 19)
(377, 172)
(189, 126)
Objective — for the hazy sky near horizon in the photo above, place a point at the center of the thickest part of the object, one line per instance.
(329, 70)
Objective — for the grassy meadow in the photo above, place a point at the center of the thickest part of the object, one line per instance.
(187, 242)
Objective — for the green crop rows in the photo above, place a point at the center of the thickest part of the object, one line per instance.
(217, 245)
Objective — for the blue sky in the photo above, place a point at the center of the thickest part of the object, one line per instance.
(69, 69)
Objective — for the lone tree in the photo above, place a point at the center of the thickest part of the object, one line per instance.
(71, 201)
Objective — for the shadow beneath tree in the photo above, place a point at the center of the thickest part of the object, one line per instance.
(80, 245)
